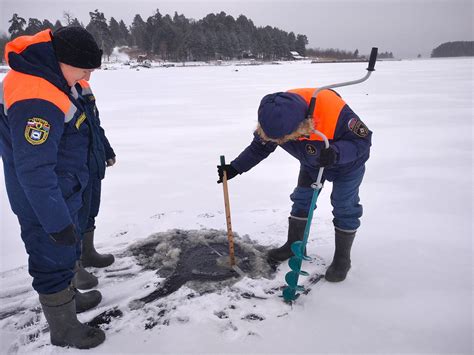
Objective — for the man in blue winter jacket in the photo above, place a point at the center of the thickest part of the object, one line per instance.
(45, 138)
(101, 155)
(283, 121)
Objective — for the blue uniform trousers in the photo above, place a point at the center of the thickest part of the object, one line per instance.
(91, 204)
(344, 198)
(50, 264)
(89, 209)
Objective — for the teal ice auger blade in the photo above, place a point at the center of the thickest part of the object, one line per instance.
(298, 248)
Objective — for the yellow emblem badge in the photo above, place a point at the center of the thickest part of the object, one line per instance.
(80, 120)
(37, 131)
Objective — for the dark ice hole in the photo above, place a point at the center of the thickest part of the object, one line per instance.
(198, 257)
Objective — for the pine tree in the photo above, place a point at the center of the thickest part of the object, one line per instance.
(153, 34)
(46, 24)
(115, 32)
(124, 34)
(17, 27)
(34, 26)
(138, 31)
(57, 25)
(99, 29)
(301, 42)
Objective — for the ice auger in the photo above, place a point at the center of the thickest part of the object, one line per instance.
(290, 292)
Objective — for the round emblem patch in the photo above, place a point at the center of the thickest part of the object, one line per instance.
(37, 131)
(358, 127)
(310, 149)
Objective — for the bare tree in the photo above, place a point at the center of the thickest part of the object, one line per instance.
(68, 17)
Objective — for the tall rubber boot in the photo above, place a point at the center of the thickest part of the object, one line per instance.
(90, 256)
(341, 263)
(64, 328)
(296, 228)
(87, 300)
(82, 279)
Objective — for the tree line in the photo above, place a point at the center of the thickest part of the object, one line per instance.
(342, 54)
(177, 38)
(454, 49)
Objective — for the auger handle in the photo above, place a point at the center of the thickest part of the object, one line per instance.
(317, 184)
(372, 59)
(370, 69)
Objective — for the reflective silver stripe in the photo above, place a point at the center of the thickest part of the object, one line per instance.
(74, 92)
(86, 91)
(2, 99)
(70, 114)
(299, 218)
(346, 230)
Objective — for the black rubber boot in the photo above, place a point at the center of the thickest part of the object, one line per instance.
(87, 300)
(83, 280)
(64, 328)
(90, 256)
(341, 263)
(296, 228)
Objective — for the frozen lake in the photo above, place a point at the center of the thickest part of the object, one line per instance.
(410, 288)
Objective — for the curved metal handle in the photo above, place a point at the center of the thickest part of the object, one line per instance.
(317, 184)
(370, 69)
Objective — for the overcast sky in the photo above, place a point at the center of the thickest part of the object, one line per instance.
(404, 27)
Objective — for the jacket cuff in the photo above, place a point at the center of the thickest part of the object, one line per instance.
(65, 237)
(338, 154)
(233, 167)
(109, 154)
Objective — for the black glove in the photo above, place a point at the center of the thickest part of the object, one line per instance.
(66, 237)
(327, 157)
(229, 169)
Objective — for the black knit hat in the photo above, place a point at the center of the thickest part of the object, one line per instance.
(75, 46)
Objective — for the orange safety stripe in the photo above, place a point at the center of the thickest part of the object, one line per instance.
(18, 86)
(326, 113)
(84, 83)
(19, 44)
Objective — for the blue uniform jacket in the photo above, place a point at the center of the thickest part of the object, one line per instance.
(100, 148)
(44, 136)
(352, 141)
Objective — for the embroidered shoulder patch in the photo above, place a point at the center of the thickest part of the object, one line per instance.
(358, 127)
(37, 131)
(310, 149)
(80, 120)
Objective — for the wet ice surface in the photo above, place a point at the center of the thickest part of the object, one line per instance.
(198, 258)
(167, 279)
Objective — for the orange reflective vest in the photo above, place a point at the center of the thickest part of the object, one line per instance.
(327, 110)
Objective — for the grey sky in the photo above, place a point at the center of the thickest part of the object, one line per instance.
(404, 27)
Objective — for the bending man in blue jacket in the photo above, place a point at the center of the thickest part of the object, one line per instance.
(282, 121)
(44, 143)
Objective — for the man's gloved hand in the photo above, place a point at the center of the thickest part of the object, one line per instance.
(229, 169)
(327, 157)
(110, 162)
(66, 237)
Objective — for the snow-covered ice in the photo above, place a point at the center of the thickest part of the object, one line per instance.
(410, 287)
